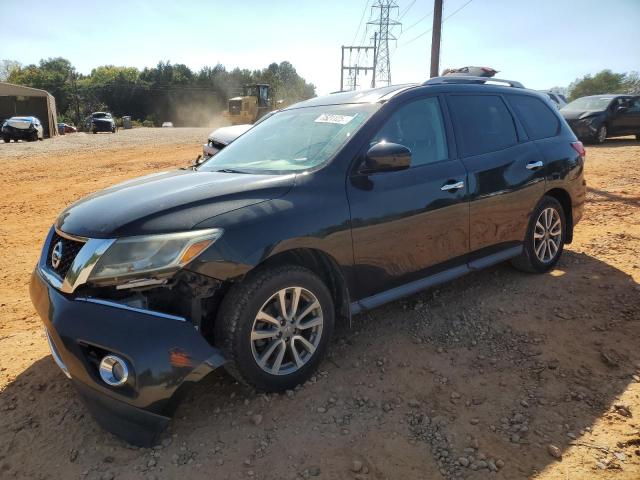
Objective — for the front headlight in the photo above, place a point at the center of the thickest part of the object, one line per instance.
(589, 120)
(155, 254)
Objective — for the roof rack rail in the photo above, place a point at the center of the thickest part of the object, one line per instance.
(470, 79)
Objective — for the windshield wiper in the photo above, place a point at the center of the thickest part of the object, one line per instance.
(228, 170)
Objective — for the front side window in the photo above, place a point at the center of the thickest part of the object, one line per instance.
(483, 123)
(538, 119)
(419, 127)
(634, 105)
(292, 140)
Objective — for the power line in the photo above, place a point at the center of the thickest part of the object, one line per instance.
(416, 23)
(366, 4)
(429, 30)
(404, 12)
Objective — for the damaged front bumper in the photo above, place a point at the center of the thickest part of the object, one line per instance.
(164, 354)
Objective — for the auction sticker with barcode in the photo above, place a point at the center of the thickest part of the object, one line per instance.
(332, 118)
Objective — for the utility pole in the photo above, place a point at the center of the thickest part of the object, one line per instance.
(74, 82)
(375, 62)
(435, 38)
(354, 70)
(384, 24)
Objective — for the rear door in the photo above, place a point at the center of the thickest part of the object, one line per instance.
(506, 172)
(411, 223)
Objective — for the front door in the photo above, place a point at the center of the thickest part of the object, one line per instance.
(410, 223)
(627, 120)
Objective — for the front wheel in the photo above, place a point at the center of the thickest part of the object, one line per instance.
(601, 134)
(544, 242)
(6, 139)
(274, 327)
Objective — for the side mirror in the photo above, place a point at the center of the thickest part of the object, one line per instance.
(621, 109)
(386, 157)
(198, 161)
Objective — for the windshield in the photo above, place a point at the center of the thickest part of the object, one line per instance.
(101, 115)
(292, 140)
(589, 103)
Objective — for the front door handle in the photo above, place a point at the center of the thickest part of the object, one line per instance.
(452, 186)
(534, 165)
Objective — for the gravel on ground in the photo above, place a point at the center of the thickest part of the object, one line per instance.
(499, 374)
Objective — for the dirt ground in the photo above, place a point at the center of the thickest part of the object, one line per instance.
(497, 375)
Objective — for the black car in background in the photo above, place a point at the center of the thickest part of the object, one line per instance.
(597, 117)
(100, 122)
(330, 207)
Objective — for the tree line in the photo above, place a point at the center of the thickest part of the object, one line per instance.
(605, 81)
(167, 92)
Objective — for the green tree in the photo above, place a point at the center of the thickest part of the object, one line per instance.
(632, 83)
(605, 81)
(166, 92)
(6, 67)
(52, 75)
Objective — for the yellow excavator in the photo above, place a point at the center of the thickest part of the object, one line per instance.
(254, 103)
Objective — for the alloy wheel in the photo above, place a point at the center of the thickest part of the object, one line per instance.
(287, 331)
(547, 235)
(602, 134)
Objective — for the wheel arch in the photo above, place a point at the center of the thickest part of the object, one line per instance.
(324, 266)
(562, 196)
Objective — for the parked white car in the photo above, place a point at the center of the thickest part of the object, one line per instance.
(221, 137)
(22, 128)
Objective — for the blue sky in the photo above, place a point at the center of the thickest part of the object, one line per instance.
(542, 43)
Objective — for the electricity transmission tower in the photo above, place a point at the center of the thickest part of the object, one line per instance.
(384, 24)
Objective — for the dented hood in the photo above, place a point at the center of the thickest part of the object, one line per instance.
(168, 202)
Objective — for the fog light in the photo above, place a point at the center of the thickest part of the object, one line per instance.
(114, 371)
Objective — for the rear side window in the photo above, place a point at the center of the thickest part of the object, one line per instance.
(538, 119)
(484, 123)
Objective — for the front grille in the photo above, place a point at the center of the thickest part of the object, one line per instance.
(70, 249)
(235, 106)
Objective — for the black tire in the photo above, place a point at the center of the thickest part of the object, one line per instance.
(6, 139)
(33, 137)
(238, 312)
(601, 135)
(528, 261)
(95, 132)
(638, 137)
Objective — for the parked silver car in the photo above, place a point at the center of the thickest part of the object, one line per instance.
(22, 128)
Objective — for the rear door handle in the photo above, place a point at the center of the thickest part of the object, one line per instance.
(452, 186)
(534, 165)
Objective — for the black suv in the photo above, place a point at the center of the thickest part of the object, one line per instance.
(598, 117)
(100, 122)
(330, 207)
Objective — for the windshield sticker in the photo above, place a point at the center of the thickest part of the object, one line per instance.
(333, 118)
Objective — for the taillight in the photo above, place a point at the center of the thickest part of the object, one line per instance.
(579, 147)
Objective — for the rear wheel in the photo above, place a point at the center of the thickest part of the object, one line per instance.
(545, 238)
(274, 327)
